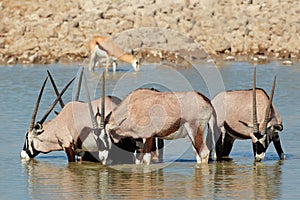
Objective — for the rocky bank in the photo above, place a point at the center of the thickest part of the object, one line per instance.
(45, 31)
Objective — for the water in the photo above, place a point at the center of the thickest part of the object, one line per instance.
(49, 176)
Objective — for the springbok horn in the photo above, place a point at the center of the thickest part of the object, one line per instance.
(55, 102)
(267, 113)
(79, 85)
(255, 125)
(103, 103)
(37, 106)
(55, 89)
(87, 93)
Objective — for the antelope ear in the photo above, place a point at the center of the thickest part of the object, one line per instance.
(132, 52)
(278, 127)
(107, 118)
(98, 114)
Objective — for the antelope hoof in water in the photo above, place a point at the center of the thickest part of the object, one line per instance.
(282, 156)
(147, 158)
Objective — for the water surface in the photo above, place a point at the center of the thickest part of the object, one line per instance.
(49, 176)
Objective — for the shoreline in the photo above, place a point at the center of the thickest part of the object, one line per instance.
(219, 61)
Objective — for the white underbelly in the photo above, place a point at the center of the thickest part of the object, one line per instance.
(100, 53)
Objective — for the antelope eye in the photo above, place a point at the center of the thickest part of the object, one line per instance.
(38, 126)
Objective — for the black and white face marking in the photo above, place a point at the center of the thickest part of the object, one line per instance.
(25, 153)
(260, 149)
(104, 145)
(28, 150)
(261, 146)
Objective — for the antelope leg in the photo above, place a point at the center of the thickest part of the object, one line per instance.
(219, 149)
(277, 145)
(227, 146)
(147, 149)
(254, 148)
(70, 154)
(160, 146)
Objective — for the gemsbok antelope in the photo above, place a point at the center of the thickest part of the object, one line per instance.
(73, 131)
(86, 148)
(124, 147)
(248, 114)
(102, 46)
(68, 131)
(145, 113)
(35, 142)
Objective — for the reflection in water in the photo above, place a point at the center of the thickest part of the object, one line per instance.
(93, 181)
(257, 181)
(89, 181)
(53, 178)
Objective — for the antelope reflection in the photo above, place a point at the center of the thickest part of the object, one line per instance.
(257, 181)
(90, 180)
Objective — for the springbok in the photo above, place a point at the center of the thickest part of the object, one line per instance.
(102, 46)
(234, 109)
(145, 113)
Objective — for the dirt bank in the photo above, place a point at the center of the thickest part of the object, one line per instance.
(44, 31)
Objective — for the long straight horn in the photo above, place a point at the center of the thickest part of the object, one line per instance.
(87, 93)
(55, 89)
(37, 106)
(267, 113)
(255, 125)
(103, 102)
(55, 102)
(79, 85)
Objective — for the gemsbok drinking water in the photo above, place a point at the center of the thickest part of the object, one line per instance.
(248, 114)
(101, 46)
(69, 130)
(145, 113)
(122, 148)
(75, 130)
(35, 139)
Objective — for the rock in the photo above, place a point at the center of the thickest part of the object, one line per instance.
(63, 30)
(229, 58)
(287, 62)
(39, 31)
